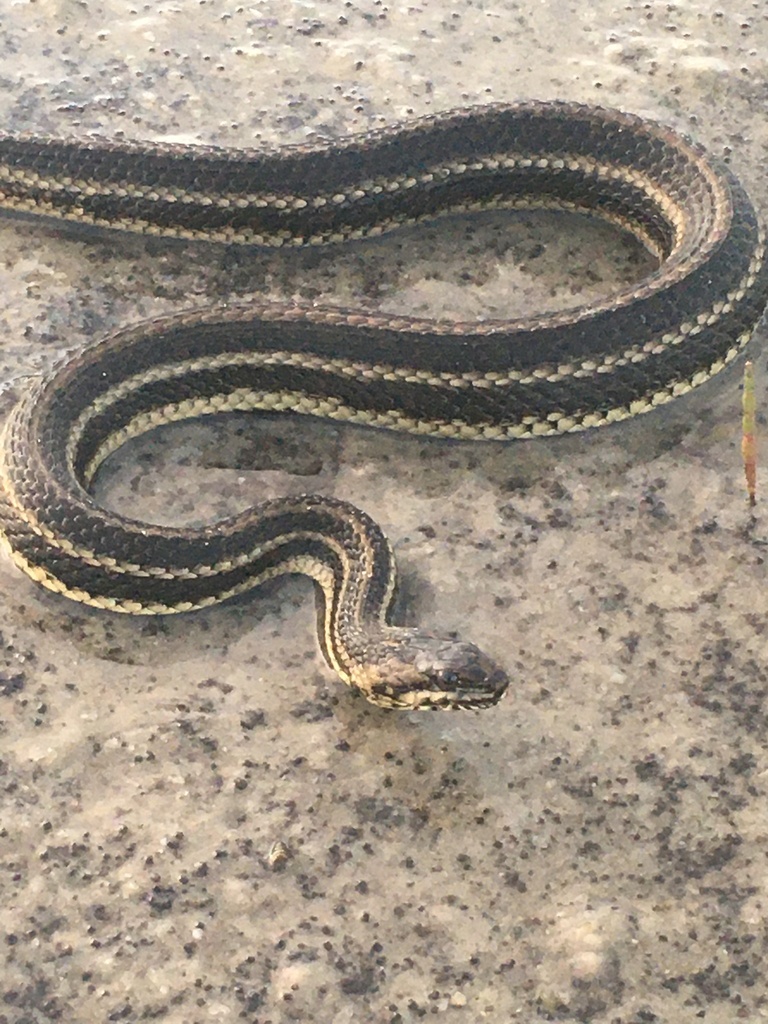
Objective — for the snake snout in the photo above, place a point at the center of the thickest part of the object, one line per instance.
(468, 678)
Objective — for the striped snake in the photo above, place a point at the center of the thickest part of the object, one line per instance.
(493, 380)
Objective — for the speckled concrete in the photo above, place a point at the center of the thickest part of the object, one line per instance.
(198, 823)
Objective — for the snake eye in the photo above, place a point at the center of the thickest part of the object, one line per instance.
(449, 679)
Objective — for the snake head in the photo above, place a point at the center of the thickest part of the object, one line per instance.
(420, 671)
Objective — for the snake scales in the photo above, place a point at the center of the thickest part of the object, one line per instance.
(494, 380)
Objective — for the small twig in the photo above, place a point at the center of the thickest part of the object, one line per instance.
(748, 442)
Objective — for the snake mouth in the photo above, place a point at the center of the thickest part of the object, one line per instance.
(426, 700)
(471, 704)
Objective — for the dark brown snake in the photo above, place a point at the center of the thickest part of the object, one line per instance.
(495, 380)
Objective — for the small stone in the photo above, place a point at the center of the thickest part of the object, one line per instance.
(278, 856)
(458, 999)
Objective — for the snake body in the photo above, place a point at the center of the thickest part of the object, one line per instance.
(493, 380)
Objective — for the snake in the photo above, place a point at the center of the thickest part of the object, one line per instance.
(487, 380)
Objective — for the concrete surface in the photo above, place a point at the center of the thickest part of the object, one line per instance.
(198, 823)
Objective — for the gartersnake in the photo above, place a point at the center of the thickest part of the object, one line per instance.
(491, 380)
